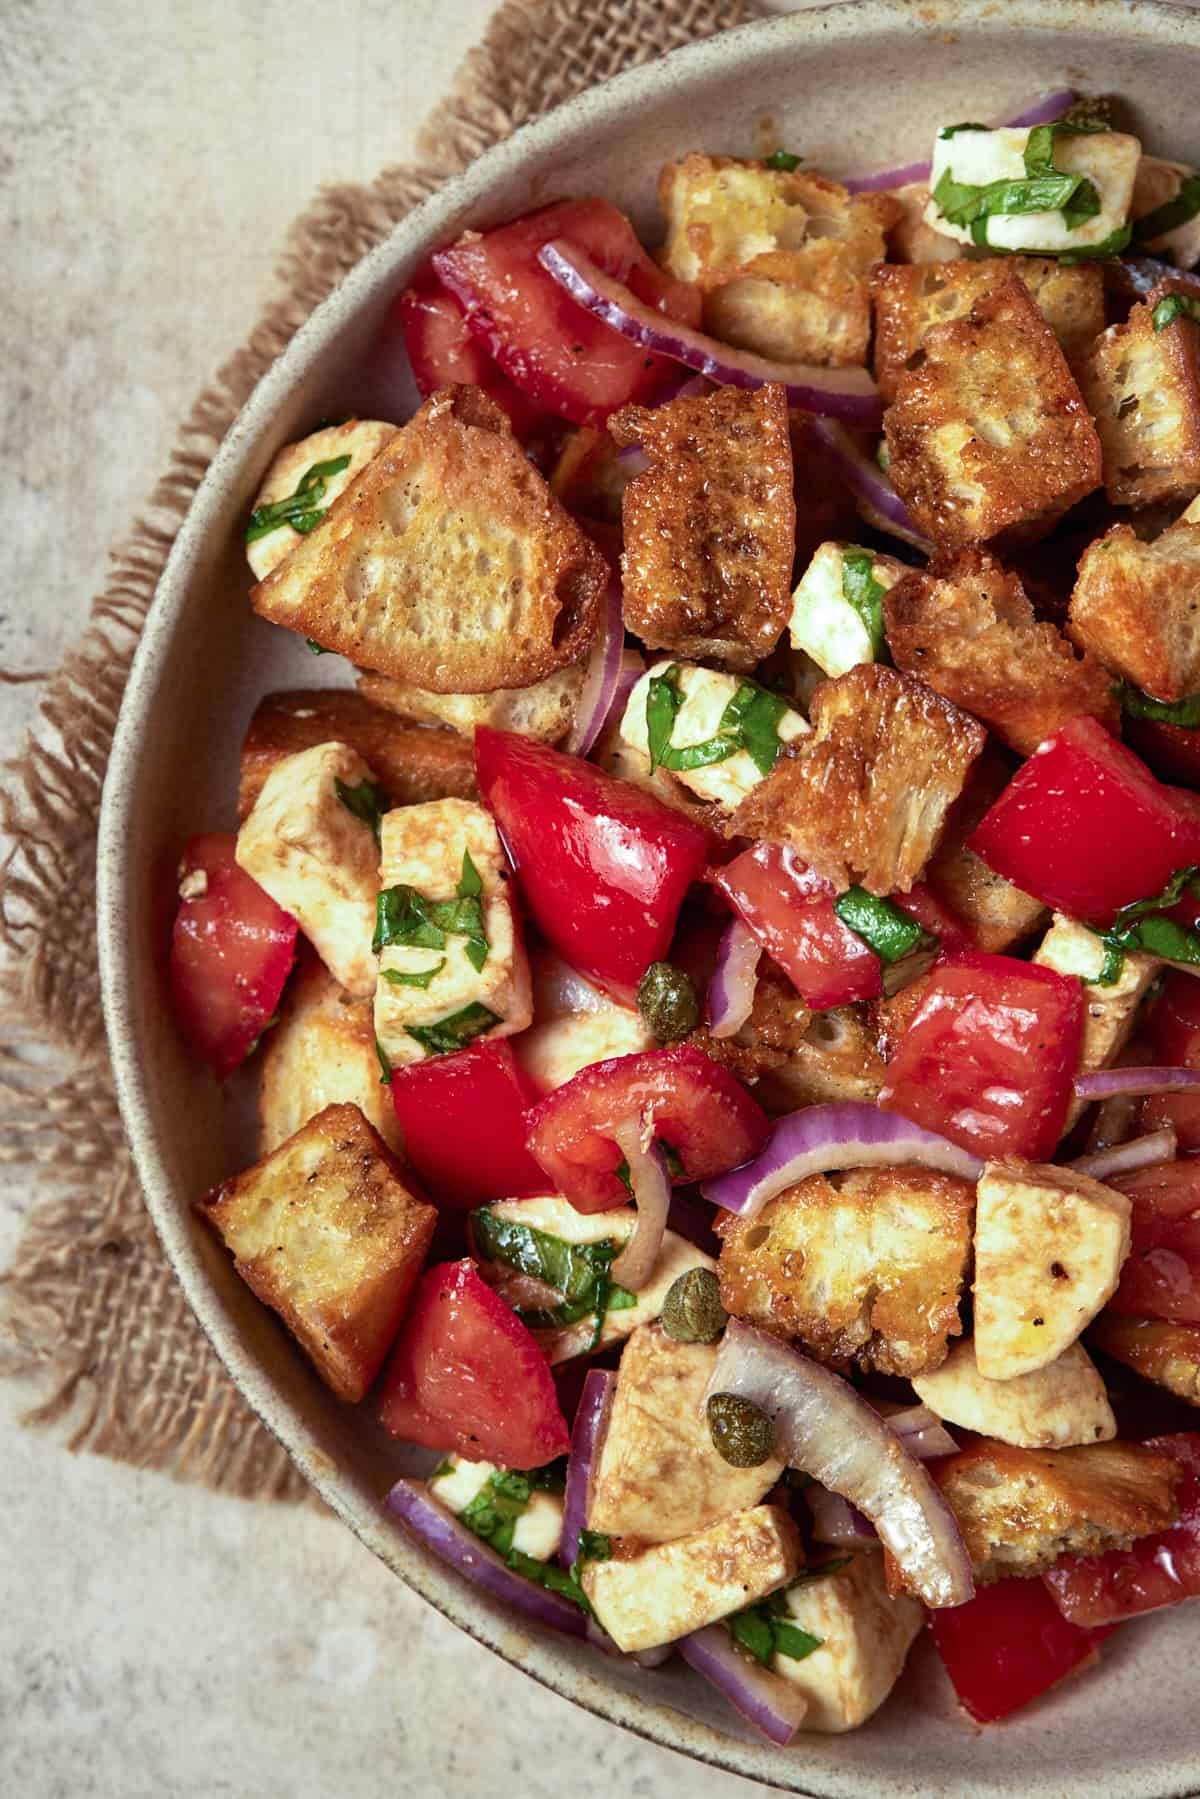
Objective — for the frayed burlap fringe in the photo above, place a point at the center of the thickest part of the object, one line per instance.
(89, 1305)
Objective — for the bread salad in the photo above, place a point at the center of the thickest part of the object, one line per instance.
(723, 984)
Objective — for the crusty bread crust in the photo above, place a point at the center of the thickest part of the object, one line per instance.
(1134, 608)
(1143, 389)
(544, 711)
(997, 913)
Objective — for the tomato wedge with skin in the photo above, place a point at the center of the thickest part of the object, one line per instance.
(693, 1104)
(1097, 1590)
(789, 907)
(602, 866)
(444, 352)
(990, 1054)
(1085, 827)
(1174, 1035)
(1161, 1275)
(465, 1121)
(466, 1377)
(1007, 1646)
(232, 949)
(564, 360)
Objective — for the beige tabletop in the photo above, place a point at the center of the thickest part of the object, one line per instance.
(156, 1640)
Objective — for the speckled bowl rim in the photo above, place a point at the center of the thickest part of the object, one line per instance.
(1143, 20)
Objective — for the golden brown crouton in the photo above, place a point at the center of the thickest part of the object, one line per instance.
(988, 436)
(864, 798)
(782, 256)
(1167, 1354)
(1020, 1509)
(965, 627)
(657, 1475)
(911, 238)
(836, 1058)
(909, 302)
(448, 562)
(544, 711)
(411, 764)
(325, 1232)
(997, 913)
(1142, 387)
(864, 1266)
(710, 525)
(1136, 606)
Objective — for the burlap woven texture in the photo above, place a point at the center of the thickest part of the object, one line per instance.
(90, 1309)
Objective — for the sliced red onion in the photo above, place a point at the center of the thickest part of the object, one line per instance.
(843, 1134)
(825, 1429)
(773, 1705)
(835, 1520)
(735, 978)
(633, 459)
(587, 1440)
(848, 394)
(601, 676)
(450, 1539)
(651, 1185)
(1113, 1083)
(1139, 1152)
(881, 504)
(921, 1431)
(1038, 112)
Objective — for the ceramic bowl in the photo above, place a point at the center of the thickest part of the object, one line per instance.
(850, 86)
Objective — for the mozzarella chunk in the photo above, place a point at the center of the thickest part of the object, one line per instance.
(1108, 1012)
(360, 439)
(576, 1025)
(317, 859)
(672, 1589)
(537, 1532)
(1108, 159)
(424, 847)
(825, 623)
(706, 693)
(1049, 1244)
(865, 1637)
(1053, 1408)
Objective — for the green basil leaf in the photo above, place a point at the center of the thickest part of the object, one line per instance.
(1185, 713)
(316, 648)
(1175, 306)
(551, 1478)
(783, 161)
(1167, 938)
(751, 721)
(470, 883)
(891, 933)
(1108, 247)
(594, 1546)
(820, 1570)
(496, 1509)
(765, 1631)
(551, 1576)
(366, 801)
(753, 1632)
(1179, 210)
(399, 977)
(454, 1031)
(949, 131)
(1142, 926)
(384, 1064)
(861, 590)
(792, 1641)
(663, 700)
(403, 916)
(302, 510)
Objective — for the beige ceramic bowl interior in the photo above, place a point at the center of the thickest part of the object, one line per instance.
(849, 86)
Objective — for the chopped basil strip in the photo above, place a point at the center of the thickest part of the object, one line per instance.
(404, 916)
(579, 1271)
(385, 1065)
(949, 131)
(1185, 713)
(891, 933)
(548, 1574)
(301, 510)
(819, 1570)
(366, 801)
(1142, 926)
(784, 161)
(594, 1546)
(455, 1031)
(494, 1512)
(1044, 189)
(1175, 306)
(1179, 210)
(749, 722)
(551, 1478)
(317, 649)
(1110, 246)
(861, 590)
(399, 977)
(765, 1632)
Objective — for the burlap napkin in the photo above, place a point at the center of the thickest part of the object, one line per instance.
(90, 1309)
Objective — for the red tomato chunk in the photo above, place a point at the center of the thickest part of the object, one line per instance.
(790, 910)
(1161, 1278)
(464, 1122)
(699, 1108)
(232, 949)
(990, 1056)
(1007, 1646)
(467, 1378)
(444, 352)
(1174, 1034)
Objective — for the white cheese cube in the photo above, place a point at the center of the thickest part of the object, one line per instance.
(1053, 1408)
(537, 1532)
(825, 623)
(706, 694)
(423, 847)
(1108, 159)
(865, 1637)
(576, 1025)
(359, 439)
(317, 859)
(1109, 1012)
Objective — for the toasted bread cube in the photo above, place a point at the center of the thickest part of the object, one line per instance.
(431, 849)
(1135, 608)
(1160, 185)
(999, 915)
(1109, 1012)
(910, 301)
(835, 1059)
(318, 859)
(864, 1266)
(447, 562)
(782, 256)
(658, 1476)
(576, 1025)
(555, 1216)
(321, 1053)
(864, 1636)
(409, 763)
(1056, 1406)
(1142, 387)
(325, 1232)
(545, 711)
(357, 442)
(911, 239)
(1049, 1245)
(537, 1531)
(1167, 1354)
(864, 798)
(710, 524)
(965, 627)
(1108, 159)
(1020, 1509)
(706, 694)
(988, 437)
(659, 1594)
(828, 621)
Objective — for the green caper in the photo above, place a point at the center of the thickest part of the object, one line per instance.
(743, 1434)
(667, 1001)
(692, 1311)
